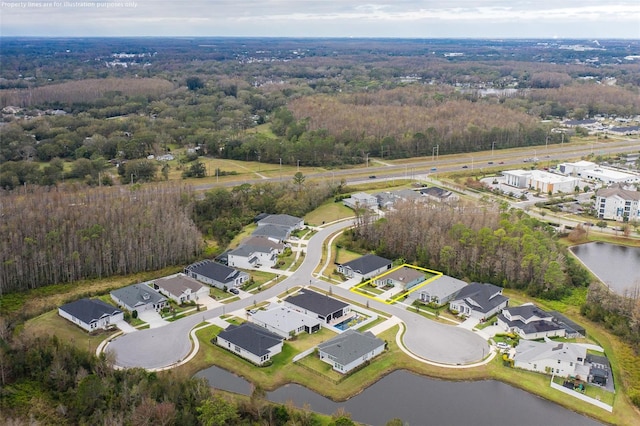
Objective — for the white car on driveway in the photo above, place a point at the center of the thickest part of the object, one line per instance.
(503, 345)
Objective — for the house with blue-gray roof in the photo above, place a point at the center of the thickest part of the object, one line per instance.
(91, 314)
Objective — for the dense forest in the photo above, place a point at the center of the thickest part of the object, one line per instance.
(478, 243)
(67, 234)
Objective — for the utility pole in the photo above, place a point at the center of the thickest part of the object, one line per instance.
(493, 144)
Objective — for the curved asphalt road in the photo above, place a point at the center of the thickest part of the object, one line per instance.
(165, 346)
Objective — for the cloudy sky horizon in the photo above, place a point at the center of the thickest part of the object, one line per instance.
(588, 19)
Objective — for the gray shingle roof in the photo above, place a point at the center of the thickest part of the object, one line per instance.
(251, 338)
(214, 270)
(178, 284)
(485, 296)
(350, 346)
(280, 220)
(273, 231)
(89, 310)
(367, 263)
(443, 287)
(138, 294)
(316, 302)
(617, 189)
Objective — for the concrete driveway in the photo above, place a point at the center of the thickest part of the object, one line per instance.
(152, 318)
(125, 327)
(158, 348)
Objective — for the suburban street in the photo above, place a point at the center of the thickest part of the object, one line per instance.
(162, 347)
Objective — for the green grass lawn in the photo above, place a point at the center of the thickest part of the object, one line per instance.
(329, 211)
(592, 391)
(50, 323)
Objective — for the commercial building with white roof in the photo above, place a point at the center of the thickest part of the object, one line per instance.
(540, 180)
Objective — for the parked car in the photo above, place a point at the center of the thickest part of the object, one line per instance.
(234, 290)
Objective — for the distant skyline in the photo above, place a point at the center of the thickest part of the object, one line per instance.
(588, 19)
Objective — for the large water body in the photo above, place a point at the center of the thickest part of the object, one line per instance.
(617, 266)
(419, 400)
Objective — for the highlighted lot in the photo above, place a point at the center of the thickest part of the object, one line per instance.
(395, 293)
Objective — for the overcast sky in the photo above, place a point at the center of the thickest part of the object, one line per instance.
(324, 18)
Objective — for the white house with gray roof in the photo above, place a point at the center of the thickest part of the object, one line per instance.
(91, 314)
(479, 301)
(139, 297)
(216, 274)
(275, 233)
(361, 200)
(559, 358)
(251, 342)
(403, 277)
(529, 322)
(255, 252)
(285, 321)
(350, 349)
(441, 290)
(181, 288)
(367, 266)
(287, 221)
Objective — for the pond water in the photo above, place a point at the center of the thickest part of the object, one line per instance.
(617, 266)
(419, 400)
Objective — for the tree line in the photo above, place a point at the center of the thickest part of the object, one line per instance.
(477, 243)
(223, 213)
(66, 234)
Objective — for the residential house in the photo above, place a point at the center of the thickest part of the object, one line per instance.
(479, 301)
(599, 369)
(181, 288)
(350, 349)
(139, 297)
(216, 274)
(561, 359)
(571, 329)
(442, 290)
(277, 227)
(251, 342)
(367, 266)
(285, 322)
(529, 322)
(618, 203)
(284, 220)
(438, 194)
(255, 252)
(327, 309)
(403, 277)
(91, 314)
(275, 233)
(361, 200)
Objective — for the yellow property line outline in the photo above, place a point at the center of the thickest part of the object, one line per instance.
(403, 294)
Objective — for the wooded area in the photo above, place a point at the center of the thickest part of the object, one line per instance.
(67, 234)
(477, 243)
